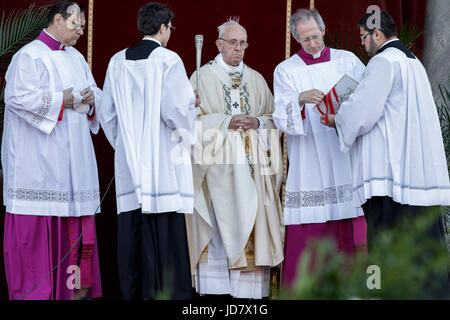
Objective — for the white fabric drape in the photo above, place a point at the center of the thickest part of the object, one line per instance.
(319, 183)
(148, 115)
(49, 165)
(391, 125)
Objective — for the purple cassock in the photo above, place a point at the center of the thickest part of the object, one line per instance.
(349, 235)
(43, 253)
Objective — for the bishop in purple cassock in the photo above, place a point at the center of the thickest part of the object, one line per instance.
(51, 190)
(318, 198)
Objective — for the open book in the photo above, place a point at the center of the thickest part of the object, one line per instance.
(338, 94)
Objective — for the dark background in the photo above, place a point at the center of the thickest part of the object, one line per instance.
(265, 22)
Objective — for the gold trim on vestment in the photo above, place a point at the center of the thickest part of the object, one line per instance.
(90, 32)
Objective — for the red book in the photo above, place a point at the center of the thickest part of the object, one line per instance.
(338, 94)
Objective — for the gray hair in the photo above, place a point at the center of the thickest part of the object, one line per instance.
(230, 22)
(302, 15)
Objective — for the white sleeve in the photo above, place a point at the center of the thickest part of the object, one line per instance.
(358, 68)
(27, 94)
(365, 106)
(106, 112)
(94, 123)
(178, 99)
(287, 116)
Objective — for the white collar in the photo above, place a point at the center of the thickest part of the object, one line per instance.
(152, 39)
(387, 43)
(219, 60)
(317, 55)
(60, 44)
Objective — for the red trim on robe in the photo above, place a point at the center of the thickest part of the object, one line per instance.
(308, 59)
(61, 112)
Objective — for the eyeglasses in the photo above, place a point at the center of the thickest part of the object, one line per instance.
(234, 43)
(363, 37)
(314, 37)
(75, 25)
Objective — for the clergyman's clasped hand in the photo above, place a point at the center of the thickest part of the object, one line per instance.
(243, 122)
(88, 97)
(311, 96)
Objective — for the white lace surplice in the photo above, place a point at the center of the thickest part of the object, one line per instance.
(319, 184)
(49, 165)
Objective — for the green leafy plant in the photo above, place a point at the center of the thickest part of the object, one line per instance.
(349, 41)
(444, 117)
(443, 108)
(20, 27)
(346, 41)
(408, 35)
(410, 265)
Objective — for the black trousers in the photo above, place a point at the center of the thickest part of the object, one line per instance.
(153, 256)
(383, 214)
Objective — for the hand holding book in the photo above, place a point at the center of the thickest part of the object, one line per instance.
(328, 120)
(335, 97)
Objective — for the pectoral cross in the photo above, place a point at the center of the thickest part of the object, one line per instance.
(236, 83)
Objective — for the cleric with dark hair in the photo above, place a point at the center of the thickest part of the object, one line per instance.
(386, 24)
(147, 100)
(151, 16)
(50, 170)
(392, 126)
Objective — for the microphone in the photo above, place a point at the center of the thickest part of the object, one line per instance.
(198, 55)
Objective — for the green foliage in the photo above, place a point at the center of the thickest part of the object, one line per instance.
(20, 27)
(408, 35)
(412, 266)
(443, 108)
(350, 41)
(164, 295)
(346, 41)
(444, 117)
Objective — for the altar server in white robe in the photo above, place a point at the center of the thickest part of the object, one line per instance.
(392, 126)
(50, 186)
(318, 200)
(148, 101)
(235, 235)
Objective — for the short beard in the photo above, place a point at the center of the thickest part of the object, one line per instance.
(373, 48)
